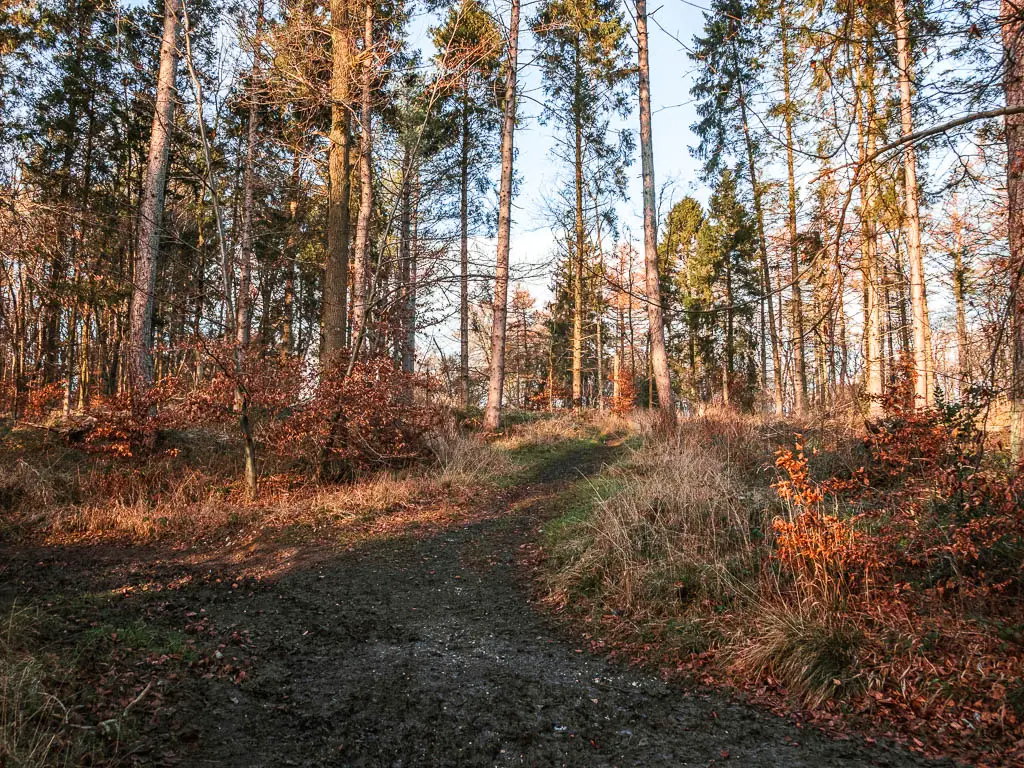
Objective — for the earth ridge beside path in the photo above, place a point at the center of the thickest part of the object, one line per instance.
(427, 652)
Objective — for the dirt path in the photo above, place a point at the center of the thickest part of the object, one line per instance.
(426, 651)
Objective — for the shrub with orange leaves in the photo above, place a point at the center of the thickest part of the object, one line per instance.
(624, 400)
(368, 419)
(817, 547)
(43, 398)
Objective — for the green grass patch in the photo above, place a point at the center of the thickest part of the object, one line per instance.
(138, 635)
(576, 505)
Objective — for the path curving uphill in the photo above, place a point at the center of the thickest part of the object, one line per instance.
(428, 652)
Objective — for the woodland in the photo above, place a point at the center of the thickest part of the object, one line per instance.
(299, 425)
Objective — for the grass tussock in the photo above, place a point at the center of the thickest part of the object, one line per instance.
(678, 529)
(466, 459)
(31, 724)
(873, 574)
(810, 647)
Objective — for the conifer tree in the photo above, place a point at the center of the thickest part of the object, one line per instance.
(469, 57)
(729, 72)
(582, 56)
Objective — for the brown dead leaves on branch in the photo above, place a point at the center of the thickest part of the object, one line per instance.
(919, 551)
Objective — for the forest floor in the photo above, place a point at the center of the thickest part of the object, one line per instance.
(415, 644)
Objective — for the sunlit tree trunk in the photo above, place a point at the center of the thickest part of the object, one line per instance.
(959, 282)
(335, 291)
(924, 379)
(1012, 20)
(762, 243)
(247, 255)
(658, 354)
(599, 311)
(800, 400)
(464, 248)
(407, 269)
(414, 257)
(873, 326)
(361, 259)
(496, 384)
(289, 256)
(579, 251)
(728, 352)
(151, 207)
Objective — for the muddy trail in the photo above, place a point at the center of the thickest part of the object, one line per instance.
(425, 650)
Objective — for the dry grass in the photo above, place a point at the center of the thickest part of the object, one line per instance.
(803, 637)
(680, 528)
(544, 429)
(467, 459)
(30, 722)
(683, 538)
(193, 489)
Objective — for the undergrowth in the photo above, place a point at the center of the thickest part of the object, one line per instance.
(189, 486)
(870, 577)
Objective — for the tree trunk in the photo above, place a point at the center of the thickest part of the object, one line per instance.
(800, 400)
(659, 356)
(730, 314)
(551, 377)
(291, 244)
(151, 208)
(762, 243)
(335, 291)
(1012, 21)
(360, 263)
(872, 346)
(496, 385)
(407, 308)
(599, 312)
(600, 361)
(247, 255)
(464, 249)
(580, 246)
(924, 372)
(409, 353)
(959, 291)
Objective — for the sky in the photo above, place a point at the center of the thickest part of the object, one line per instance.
(672, 116)
(539, 176)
